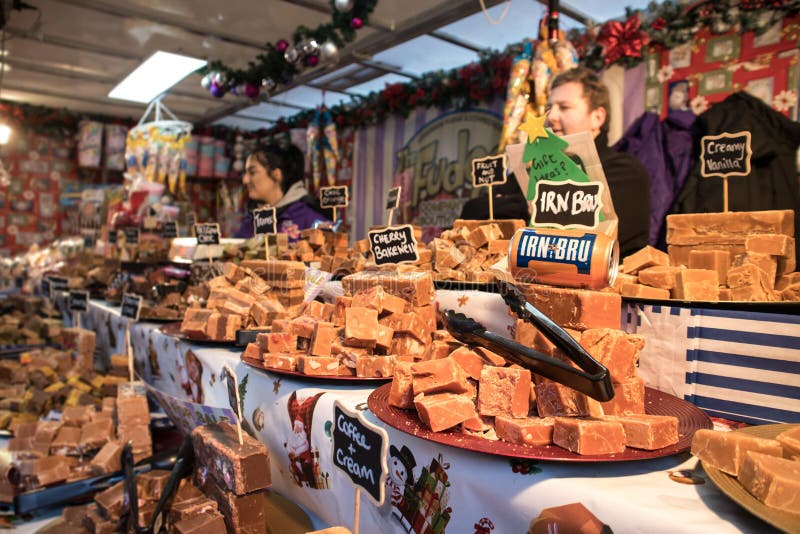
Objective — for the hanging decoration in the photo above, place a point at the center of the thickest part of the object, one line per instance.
(323, 145)
(280, 62)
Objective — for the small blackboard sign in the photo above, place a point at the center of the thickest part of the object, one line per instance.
(395, 244)
(131, 304)
(79, 301)
(490, 170)
(567, 204)
(169, 229)
(333, 197)
(393, 199)
(265, 221)
(112, 236)
(59, 283)
(726, 154)
(131, 235)
(89, 240)
(359, 449)
(207, 233)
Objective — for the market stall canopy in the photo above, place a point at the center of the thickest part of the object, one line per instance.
(71, 53)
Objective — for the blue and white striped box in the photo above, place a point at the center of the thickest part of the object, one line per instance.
(738, 365)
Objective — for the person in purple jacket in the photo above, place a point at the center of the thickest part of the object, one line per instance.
(273, 176)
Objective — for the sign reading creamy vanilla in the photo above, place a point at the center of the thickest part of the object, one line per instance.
(359, 450)
(207, 233)
(333, 197)
(567, 204)
(490, 170)
(265, 221)
(79, 301)
(395, 244)
(726, 154)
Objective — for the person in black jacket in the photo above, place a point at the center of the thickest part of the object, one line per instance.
(578, 101)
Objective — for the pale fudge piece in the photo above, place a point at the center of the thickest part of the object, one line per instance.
(273, 342)
(785, 280)
(318, 365)
(252, 351)
(445, 255)
(504, 391)
(243, 513)
(239, 468)
(133, 410)
(526, 431)
(696, 284)
(470, 361)
(726, 450)
(499, 246)
(322, 339)
(768, 264)
(438, 376)
(648, 432)
(577, 309)
(644, 258)
(752, 293)
(278, 273)
(772, 480)
(554, 399)
(408, 323)
(644, 292)
(252, 285)
(233, 273)
(714, 260)
(507, 227)
(483, 234)
(623, 279)
(615, 349)
(286, 362)
(375, 366)
(414, 286)
(589, 436)
(441, 411)
(379, 299)
(223, 326)
(679, 254)
(342, 302)
(383, 337)
(628, 398)
(660, 276)
(108, 458)
(218, 282)
(401, 393)
(195, 321)
(790, 440)
(237, 302)
(727, 227)
(360, 327)
(772, 244)
(266, 311)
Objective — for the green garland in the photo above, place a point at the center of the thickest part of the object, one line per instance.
(50, 122)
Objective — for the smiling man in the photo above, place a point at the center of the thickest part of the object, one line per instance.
(579, 102)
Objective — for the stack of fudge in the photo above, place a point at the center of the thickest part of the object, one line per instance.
(767, 468)
(383, 318)
(734, 256)
(249, 295)
(476, 391)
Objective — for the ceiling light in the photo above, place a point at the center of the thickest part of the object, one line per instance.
(154, 76)
(5, 133)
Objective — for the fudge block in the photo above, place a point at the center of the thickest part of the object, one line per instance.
(303, 326)
(379, 299)
(578, 309)
(342, 302)
(138, 435)
(660, 276)
(66, 442)
(318, 365)
(470, 361)
(714, 260)
(322, 339)
(46, 431)
(133, 410)
(507, 227)
(726, 450)
(679, 254)
(96, 434)
(438, 376)
(768, 264)
(615, 349)
(747, 274)
(554, 399)
(589, 436)
(280, 361)
(375, 366)
(504, 391)
(695, 284)
(790, 440)
(727, 227)
(277, 342)
(483, 234)
(408, 323)
(190, 507)
(628, 398)
(644, 258)
(383, 337)
(785, 280)
(238, 468)
(360, 326)
(243, 513)
(441, 411)
(107, 459)
(50, 470)
(252, 351)
(112, 501)
(623, 279)
(526, 431)
(237, 302)
(407, 347)
(725, 294)
(751, 293)
(278, 273)
(772, 480)
(206, 522)
(265, 310)
(648, 432)
(223, 326)
(414, 286)
(643, 291)
(75, 415)
(771, 244)
(401, 393)
(492, 358)
(252, 285)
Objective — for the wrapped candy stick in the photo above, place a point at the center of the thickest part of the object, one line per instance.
(517, 86)
(312, 139)
(330, 148)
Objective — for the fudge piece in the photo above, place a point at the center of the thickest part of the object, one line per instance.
(95, 523)
(441, 411)
(628, 398)
(578, 309)
(239, 468)
(252, 351)
(790, 439)
(181, 509)
(322, 339)
(437, 376)
(153, 483)
(470, 361)
(772, 244)
(281, 361)
(285, 342)
(379, 299)
(223, 326)
(133, 410)
(96, 434)
(113, 501)
(615, 349)
(383, 337)
(727, 227)
(46, 431)
(554, 399)
(76, 415)
(768, 264)
(278, 273)
(318, 365)
(66, 442)
(644, 258)
(507, 227)
(772, 480)
(266, 310)
(375, 366)
(408, 323)
(661, 276)
(589, 436)
(696, 284)
(401, 393)
(195, 321)
(526, 431)
(648, 432)
(243, 513)
(50, 470)
(643, 291)
(785, 280)
(107, 459)
(360, 326)
(207, 522)
(504, 391)
(714, 260)
(726, 450)
(414, 286)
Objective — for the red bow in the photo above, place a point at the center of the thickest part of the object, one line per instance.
(623, 39)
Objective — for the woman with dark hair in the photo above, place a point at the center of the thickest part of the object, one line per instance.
(273, 177)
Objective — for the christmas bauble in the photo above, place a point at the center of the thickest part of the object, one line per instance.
(217, 91)
(329, 51)
(282, 45)
(205, 82)
(312, 60)
(356, 23)
(291, 55)
(250, 90)
(268, 84)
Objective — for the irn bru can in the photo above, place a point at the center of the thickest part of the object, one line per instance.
(569, 258)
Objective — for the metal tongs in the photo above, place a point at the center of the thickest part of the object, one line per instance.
(592, 378)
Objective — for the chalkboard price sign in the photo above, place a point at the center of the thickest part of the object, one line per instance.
(393, 199)
(79, 301)
(112, 236)
(89, 240)
(490, 170)
(132, 235)
(567, 204)
(207, 233)
(131, 304)
(359, 449)
(58, 283)
(169, 229)
(395, 244)
(726, 154)
(333, 197)
(265, 221)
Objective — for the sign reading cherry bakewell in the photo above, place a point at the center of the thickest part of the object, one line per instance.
(207, 233)
(726, 154)
(395, 244)
(131, 304)
(334, 197)
(359, 449)
(393, 198)
(265, 221)
(79, 301)
(169, 229)
(490, 170)
(567, 204)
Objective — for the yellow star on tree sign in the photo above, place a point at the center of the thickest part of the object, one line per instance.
(533, 126)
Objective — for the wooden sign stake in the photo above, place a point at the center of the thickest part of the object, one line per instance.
(725, 193)
(356, 510)
(129, 351)
(391, 216)
(491, 204)
(334, 215)
(238, 405)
